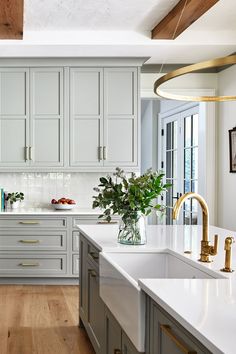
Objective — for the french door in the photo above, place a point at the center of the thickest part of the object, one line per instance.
(180, 134)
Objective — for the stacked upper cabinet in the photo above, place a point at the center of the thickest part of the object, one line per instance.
(46, 113)
(120, 117)
(31, 117)
(86, 116)
(104, 117)
(14, 117)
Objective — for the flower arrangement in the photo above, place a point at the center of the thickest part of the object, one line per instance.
(129, 197)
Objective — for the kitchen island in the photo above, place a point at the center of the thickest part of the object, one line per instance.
(205, 308)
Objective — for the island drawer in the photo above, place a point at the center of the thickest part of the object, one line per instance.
(29, 265)
(33, 240)
(92, 254)
(32, 222)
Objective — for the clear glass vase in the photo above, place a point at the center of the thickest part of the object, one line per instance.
(133, 232)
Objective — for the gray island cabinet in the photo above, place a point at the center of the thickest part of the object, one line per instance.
(105, 333)
(164, 335)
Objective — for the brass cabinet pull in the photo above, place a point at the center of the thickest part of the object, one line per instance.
(23, 264)
(94, 255)
(92, 273)
(26, 153)
(104, 153)
(100, 153)
(167, 330)
(30, 153)
(29, 241)
(104, 222)
(117, 351)
(29, 222)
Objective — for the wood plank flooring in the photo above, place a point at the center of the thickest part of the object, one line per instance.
(41, 320)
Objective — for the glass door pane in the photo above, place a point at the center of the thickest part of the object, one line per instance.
(171, 166)
(180, 157)
(191, 167)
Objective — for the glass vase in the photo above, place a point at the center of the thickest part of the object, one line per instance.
(133, 232)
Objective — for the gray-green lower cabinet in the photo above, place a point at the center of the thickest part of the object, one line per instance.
(165, 335)
(116, 341)
(105, 333)
(112, 334)
(91, 308)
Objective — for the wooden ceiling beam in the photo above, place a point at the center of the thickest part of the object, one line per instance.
(169, 28)
(11, 19)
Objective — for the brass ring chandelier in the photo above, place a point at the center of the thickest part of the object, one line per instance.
(214, 63)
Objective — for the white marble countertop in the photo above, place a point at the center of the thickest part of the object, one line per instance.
(206, 308)
(49, 211)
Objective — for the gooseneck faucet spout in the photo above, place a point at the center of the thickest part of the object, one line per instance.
(206, 249)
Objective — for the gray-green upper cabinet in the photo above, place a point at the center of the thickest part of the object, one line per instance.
(120, 117)
(14, 116)
(86, 116)
(46, 111)
(104, 117)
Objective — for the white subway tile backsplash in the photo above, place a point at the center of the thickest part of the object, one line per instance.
(40, 188)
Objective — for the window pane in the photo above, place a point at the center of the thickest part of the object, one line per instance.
(194, 219)
(194, 205)
(168, 136)
(187, 186)
(187, 163)
(174, 171)
(187, 218)
(168, 164)
(194, 163)
(169, 193)
(174, 135)
(187, 131)
(174, 192)
(195, 129)
(194, 186)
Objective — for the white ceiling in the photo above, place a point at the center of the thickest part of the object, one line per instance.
(120, 28)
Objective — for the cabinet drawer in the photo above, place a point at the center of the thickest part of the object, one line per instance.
(168, 336)
(29, 265)
(92, 221)
(75, 241)
(92, 254)
(32, 222)
(33, 241)
(75, 264)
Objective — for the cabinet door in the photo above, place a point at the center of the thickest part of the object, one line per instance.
(83, 288)
(167, 336)
(112, 334)
(127, 346)
(95, 310)
(14, 116)
(46, 146)
(86, 111)
(120, 117)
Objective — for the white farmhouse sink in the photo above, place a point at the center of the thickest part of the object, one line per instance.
(119, 289)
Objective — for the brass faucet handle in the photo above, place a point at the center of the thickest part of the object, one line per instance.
(228, 243)
(214, 249)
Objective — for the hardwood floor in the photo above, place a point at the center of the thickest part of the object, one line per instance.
(41, 320)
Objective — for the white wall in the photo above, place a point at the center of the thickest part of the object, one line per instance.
(226, 180)
(149, 134)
